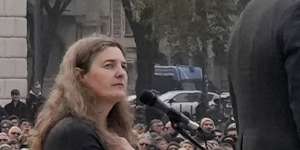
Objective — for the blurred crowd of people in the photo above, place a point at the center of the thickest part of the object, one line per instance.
(17, 119)
(161, 135)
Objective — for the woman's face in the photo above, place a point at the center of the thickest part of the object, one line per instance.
(107, 76)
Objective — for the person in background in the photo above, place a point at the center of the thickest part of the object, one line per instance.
(187, 145)
(5, 147)
(88, 108)
(15, 107)
(207, 125)
(14, 133)
(173, 146)
(34, 101)
(143, 142)
(3, 138)
(15, 121)
(156, 126)
(5, 125)
(218, 135)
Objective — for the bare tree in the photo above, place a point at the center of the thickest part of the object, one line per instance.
(48, 34)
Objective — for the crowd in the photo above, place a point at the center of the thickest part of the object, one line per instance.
(161, 135)
(17, 120)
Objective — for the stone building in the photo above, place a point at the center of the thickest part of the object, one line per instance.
(13, 48)
(80, 19)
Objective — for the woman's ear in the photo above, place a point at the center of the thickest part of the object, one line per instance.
(79, 73)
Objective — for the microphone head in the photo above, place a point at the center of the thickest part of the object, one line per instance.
(148, 98)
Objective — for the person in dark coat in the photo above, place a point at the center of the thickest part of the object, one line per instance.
(264, 75)
(15, 107)
(34, 101)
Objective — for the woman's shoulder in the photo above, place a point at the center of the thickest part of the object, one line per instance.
(72, 133)
(73, 123)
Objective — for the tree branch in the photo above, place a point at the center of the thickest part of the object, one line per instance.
(128, 11)
(46, 5)
(57, 5)
(64, 6)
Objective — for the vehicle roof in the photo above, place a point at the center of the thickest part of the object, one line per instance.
(169, 94)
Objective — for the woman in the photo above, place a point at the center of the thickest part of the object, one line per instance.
(87, 109)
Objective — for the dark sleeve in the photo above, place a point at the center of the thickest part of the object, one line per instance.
(291, 46)
(72, 136)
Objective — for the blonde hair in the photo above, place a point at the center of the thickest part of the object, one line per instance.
(70, 98)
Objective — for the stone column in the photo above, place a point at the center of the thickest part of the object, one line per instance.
(13, 48)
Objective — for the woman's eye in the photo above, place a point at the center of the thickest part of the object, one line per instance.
(108, 66)
(124, 67)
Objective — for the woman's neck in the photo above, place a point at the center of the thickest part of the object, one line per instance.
(102, 112)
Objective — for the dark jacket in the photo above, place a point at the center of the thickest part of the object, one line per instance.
(72, 134)
(33, 105)
(18, 110)
(264, 75)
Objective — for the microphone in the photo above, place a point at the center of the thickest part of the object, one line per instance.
(151, 99)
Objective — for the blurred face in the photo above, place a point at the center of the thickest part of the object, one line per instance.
(144, 143)
(14, 133)
(37, 88)
(3, 138)
(5, 128)
(25, 126)
(15, 122)
(218, 135)
(162, 144)
(107, 76)
(173, 147)
(208, 126)
(187, 146)
(232, 133)
(169, 129)
(15, 97)
(158, 127)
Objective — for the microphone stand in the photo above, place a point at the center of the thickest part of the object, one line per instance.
(179, 128)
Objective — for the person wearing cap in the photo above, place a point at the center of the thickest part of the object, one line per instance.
(15, 107)
(207, 125)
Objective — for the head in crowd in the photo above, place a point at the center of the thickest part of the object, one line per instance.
(15, 121)
(5, 125)
(212, 144)
(160, 142)
(143, 142)
(82, 88)
(187, 145)
(207, 125)
(15, 95)
(36, 89)
(156, 126)
(3, 138)
(168, 129)
(227, 146)
(14, 133)
(139, 128)
(218, 135)
(173, 146)
(5, 147)
(231, 130)
(25, 125)
(15, 145)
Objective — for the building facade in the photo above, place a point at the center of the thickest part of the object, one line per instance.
(13, 48)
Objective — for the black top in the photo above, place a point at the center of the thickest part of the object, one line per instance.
(72, 134)
(19, 109)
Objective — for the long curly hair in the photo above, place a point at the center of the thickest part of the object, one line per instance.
(70, 97)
